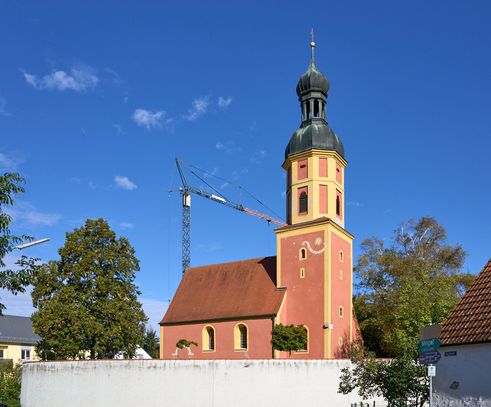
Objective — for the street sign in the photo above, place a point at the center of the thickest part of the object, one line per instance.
(428, 358)
(427, 345)
(431, 370)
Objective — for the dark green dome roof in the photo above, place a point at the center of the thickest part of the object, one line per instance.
(314, 135)
(312, 80)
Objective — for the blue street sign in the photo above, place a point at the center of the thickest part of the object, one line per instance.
(427, 345)
(429, 358)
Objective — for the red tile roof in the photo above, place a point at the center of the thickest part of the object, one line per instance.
(470, 320)
(230, 290)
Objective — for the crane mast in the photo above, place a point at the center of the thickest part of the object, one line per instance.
(186, 190)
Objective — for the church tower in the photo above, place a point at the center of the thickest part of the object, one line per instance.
(314, 251)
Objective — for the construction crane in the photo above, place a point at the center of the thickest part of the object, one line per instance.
(186, 190)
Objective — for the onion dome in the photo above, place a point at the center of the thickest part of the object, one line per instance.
(312, 79)
(315, 136)
(314, 132)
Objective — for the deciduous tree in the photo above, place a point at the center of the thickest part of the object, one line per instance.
(289, 338)
(412, 281)
(87, 302)
(14, 281)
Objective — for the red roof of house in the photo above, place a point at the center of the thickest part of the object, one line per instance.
(226, 291)
(470, 320)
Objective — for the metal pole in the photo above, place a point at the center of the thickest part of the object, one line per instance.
(431, 390)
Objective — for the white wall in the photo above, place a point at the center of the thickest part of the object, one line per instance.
(469, 371)
(219, 383)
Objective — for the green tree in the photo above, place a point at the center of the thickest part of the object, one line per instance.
(11, 184)
(412, 282)
(401, 381)
(151, 343)
(289, 338)
(10, 384)
(87, 302)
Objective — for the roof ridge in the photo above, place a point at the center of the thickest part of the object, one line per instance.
(230, 262)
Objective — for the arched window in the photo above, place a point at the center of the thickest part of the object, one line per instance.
(338, 206)
(317, 108)
(302, 273)
(241, 337)
(208, 338)
(303, 202)
(341, 256)
(302, 253)
(341, 312)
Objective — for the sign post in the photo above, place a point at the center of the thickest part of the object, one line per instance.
(431, 373)
(429, 355)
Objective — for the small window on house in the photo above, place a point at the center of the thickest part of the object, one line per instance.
(302, 202)
(303, 253)
(1, 353)
(25, 354)
(340, 274)
(208, 338)
(341, 256)
(340, 342)
(302, 273)
(241, 337)
(341, 312)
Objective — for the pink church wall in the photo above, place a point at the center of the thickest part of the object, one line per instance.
(323, 198)
(341, 293)
(322, 167)
(303, 169)
(339, 173)
(304, 297)
(259, 333)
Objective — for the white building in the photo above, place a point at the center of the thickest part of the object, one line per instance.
(463, 376)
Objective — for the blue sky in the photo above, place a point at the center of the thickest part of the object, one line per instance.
(98, 97)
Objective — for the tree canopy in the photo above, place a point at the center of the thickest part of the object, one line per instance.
(14, 281)
(87, 302)
(289, 338)
(405, 284)
(401, 381)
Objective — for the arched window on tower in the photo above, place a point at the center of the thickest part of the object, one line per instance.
(317, 108)
(309, 113)
(303, 202)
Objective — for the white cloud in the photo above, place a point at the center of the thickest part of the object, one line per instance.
(354, 203)
(124, 183)
(79, 79)
(229, 147)
(26, 212)
(210, 247)
(126, 225)
(3, 107)
(148, 118)
(199, 108)
(258, 156)
(155, 310)
(224, 102)
(20, 304)
(119, 129)
(8, 163)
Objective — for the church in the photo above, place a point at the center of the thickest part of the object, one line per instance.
(228, 311)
